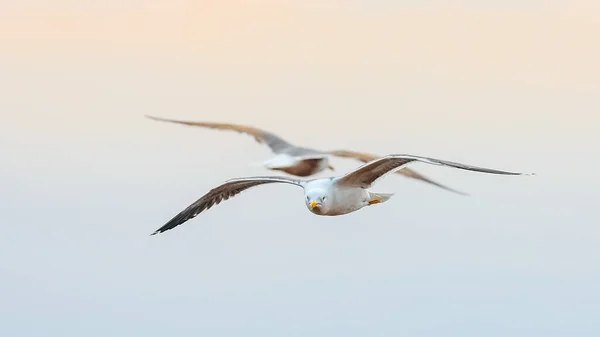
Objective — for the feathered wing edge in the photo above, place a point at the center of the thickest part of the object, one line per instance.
(274, 142)
(225, 191)
(366, 157)
(369, 173)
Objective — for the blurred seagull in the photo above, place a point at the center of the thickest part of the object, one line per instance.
(324, 196)
(295, 160)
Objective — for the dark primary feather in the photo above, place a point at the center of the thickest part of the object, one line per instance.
(367, 174)
(276, 143)
(223, 192)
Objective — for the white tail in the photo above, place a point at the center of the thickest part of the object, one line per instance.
(377, 198)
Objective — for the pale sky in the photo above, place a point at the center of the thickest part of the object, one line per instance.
(85, 178)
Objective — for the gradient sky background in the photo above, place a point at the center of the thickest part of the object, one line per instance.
(85, 178)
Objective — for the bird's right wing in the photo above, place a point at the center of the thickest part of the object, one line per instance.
(366, 157)
(276, 143)
(367, 174)
(227, 190)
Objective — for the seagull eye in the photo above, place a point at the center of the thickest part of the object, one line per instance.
(323, 198)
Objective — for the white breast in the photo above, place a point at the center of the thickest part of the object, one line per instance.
(350, 199)
(343, 199)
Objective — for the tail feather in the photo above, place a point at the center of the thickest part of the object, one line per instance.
(377, 198)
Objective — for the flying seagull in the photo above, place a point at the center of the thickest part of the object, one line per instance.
(295, 160)
(324, 196)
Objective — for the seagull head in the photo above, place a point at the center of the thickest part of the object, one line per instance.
(317, 201)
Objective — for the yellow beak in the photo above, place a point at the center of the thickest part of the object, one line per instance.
(313, 204)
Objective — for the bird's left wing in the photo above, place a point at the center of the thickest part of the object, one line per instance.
(275, 143)
(225, 191)
(366, 157)
(366, 175)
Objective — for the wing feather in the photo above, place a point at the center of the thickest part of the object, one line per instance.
(366, 175)
(366, 157)
(225, 191)
(276, 143)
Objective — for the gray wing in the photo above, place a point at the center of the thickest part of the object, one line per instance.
(276, 143)
(366, 157)
(367, 174)
(301, 153)
(227, 190)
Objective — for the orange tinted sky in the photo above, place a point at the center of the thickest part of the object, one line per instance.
(549, 46)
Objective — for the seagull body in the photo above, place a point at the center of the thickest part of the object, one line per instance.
(329, 197)
(296, 160)
(324, 196)
(301, 165)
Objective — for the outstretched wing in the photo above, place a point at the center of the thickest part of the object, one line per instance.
(365, 158)
(227, 190)
(276, 143)
(367, 174)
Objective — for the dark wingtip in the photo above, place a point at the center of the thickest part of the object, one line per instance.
(520, 173)
(449, 189)
(464, 194)
(152, 117)
(158, 231)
